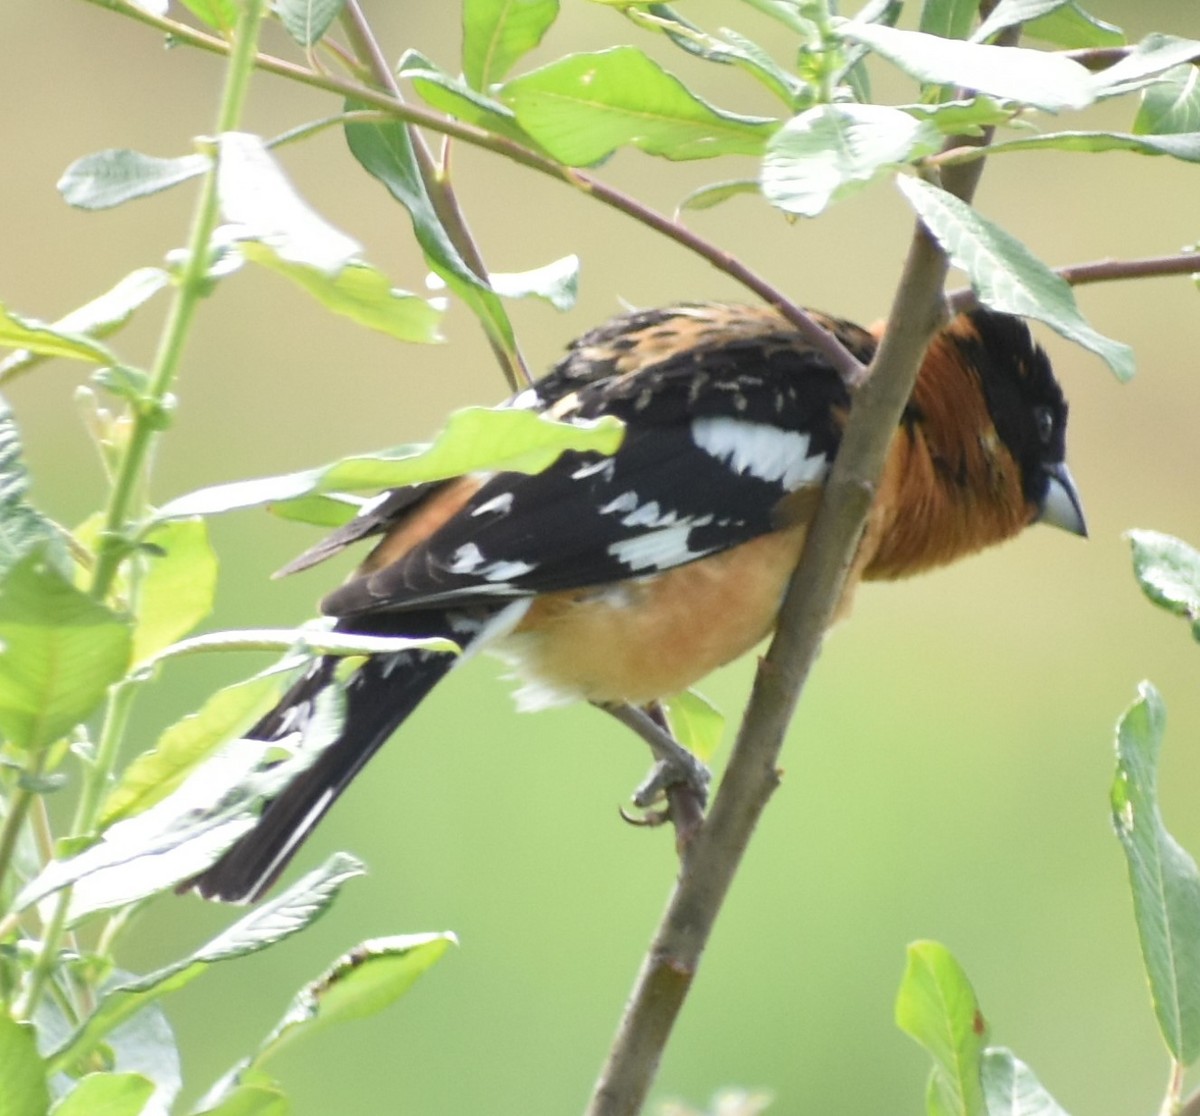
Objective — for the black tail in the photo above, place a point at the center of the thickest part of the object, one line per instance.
(379, 696)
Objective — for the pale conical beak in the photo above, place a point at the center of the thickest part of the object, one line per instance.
(1062, 507)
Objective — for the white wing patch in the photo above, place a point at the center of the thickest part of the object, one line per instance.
(762, 451)
(657, 550)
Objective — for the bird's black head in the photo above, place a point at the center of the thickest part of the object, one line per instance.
(1027, 408)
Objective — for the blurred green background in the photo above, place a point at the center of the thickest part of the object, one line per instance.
(947, 774)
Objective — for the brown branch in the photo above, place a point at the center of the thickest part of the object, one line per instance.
(813, 595)
(848, 366)
(1101, 271)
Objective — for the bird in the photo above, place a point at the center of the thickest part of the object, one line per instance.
(626, 577)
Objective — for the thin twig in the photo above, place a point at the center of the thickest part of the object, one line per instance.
(848, 366)
(1101, 271)
(437, 185)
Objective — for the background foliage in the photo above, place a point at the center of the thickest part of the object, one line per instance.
(958, 792)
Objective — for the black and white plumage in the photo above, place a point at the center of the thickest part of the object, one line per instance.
(627, 577)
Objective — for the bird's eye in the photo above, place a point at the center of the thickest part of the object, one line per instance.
(1044, 417)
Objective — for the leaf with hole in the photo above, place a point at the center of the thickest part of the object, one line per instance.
(584, 107)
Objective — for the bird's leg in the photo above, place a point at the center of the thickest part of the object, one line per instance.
(677, 774)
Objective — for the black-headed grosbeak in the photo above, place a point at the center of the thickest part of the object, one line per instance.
(626, 578)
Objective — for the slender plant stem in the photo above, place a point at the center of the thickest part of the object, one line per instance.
(18, 807)
(814, 594)
(842, 359)
(130, 478)
(1172, 1101)
(440, 190)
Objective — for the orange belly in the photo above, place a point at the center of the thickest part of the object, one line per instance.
(651, 637)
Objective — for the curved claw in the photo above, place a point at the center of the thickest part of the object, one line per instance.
(647, 819)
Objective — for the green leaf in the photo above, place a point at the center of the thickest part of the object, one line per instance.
(118, 175)
(583, 107)
(832, 151)
(176, 590)
(361, 983)
(556, 283)
(1168, 570)
(696, 723)
(249, 1100)
(717, 192)
(1045, 81)
(59, 652)
(1162, 876)
(1184, 146)
(385, 151)
(1005, 274)
(23, 1089)
(1010, 12)
(953, 118)
(308, 20)
(330, 509)
(359, 292)
(476, 438)
(21, 525)
(98, 318)
(221, 14)
(1171, 104)
(496, 33)
(32, 336)
(783, 11)
(1010, 1087)
(106, 1094)
(294, 910)
(1071, 28)
(186, 832)
(948, 19)
(187, 743)
(456, 98)
(258, 199)
(936, 1006)
(1152, 56)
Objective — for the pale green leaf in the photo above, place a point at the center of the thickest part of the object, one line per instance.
(385, 151)
(953, 118)
(29, 335)
(359, 292)
(59, 652)
(100, 317)
(220, 14)
(556, 282)
(324, 509)
(948, 19)
(456, 98)
(497, 33)
(476, 438)
(717, 192)
(1010, 12)
(1071, 28)
(185, 833)
(249, 1100)
(294, 910)
(1162, 876)
(363, 982)
(1184, 146)
(1045, 81)
(1168, 570)
(696, 723)
(177, 585)
(1005, 274)
(936, 1006)
(832, 151)
(118, 175)
(583, 107)
(23, 1090)
(1171, 104)
(1154, 55)
(1010, 1087)
(257, 198)
(184, 745)
(308, 20)
(106, 1094)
